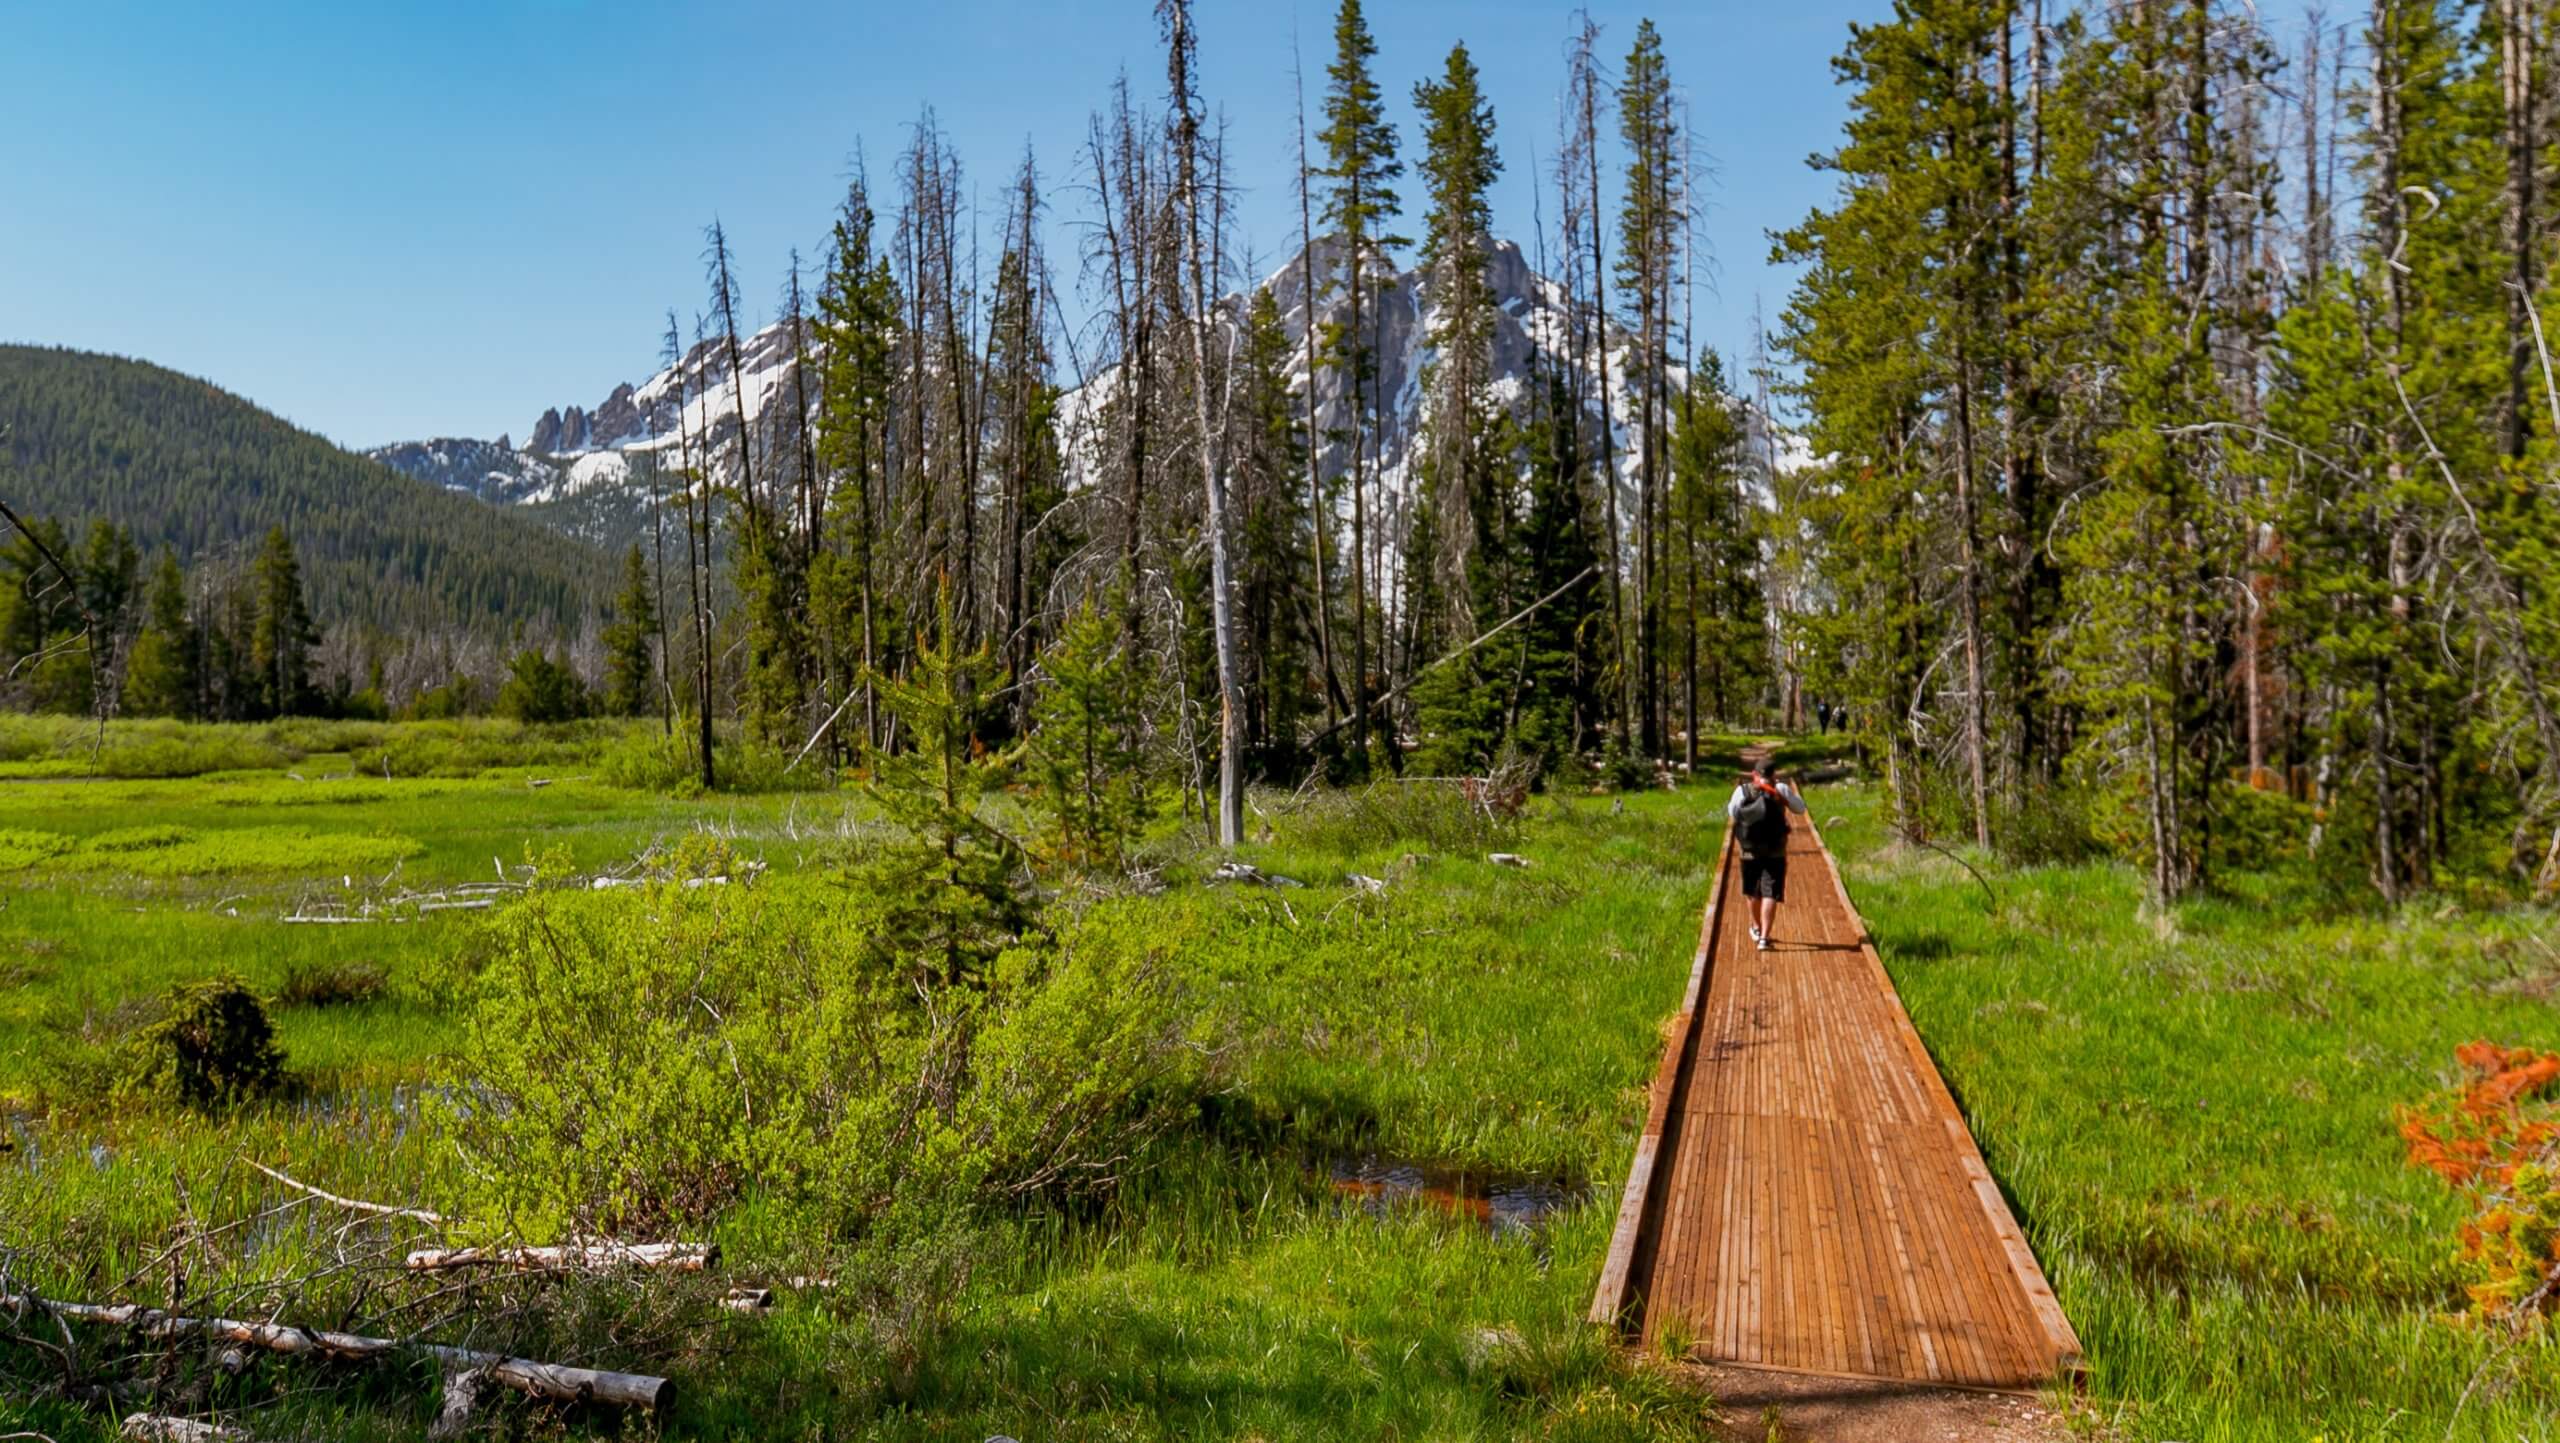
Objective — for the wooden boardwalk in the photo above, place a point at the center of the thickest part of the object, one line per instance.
(1805, 1195)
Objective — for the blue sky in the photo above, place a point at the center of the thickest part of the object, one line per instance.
(396, 220)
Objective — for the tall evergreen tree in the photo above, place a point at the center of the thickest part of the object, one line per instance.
(1361, 206)
(165, 677)
(630, 651)
(281, 634)
(1649, 231)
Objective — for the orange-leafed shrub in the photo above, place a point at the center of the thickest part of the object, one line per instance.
(2496, 1138)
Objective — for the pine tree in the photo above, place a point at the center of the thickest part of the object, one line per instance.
(1084, 742)
(281, 634)
(857, 333)
(1360, 205)
(1276, 611)
(1466, 480)
(1717, 567)
(631, 671)
(164, 678)
(947, 884)
(1649, 228)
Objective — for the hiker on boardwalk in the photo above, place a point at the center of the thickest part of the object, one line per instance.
(1758, 811)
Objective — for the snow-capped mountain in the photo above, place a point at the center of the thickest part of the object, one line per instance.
(606, 459)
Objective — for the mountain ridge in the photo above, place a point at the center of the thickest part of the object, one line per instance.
(202, 471)
(617, 442)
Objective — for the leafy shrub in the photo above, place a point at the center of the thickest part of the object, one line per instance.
(455, 699)
(340, 984)
(214, 1047)
(2255, 830)
(2496, 1139)
(642, 1060)
(1623, 771)
(468, 748)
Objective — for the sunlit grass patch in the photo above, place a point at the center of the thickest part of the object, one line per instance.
(22, 848)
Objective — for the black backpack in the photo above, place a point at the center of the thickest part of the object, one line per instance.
(1761, 822)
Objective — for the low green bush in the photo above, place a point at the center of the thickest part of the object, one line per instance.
(638, 1061)
(213, 1048)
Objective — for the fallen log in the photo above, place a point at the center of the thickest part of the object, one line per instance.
(553, 1381)
(161, 1428)
(572, 1257)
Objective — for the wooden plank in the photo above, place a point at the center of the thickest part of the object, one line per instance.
(1805, 1196)
(1609, 1298)
(2021, 1259)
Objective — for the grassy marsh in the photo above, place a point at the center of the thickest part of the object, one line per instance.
(2193, 1114)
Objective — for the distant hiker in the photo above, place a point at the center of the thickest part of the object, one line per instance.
(1822, 716)
(1758, 811)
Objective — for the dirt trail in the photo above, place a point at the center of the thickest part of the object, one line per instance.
(1754, 1405)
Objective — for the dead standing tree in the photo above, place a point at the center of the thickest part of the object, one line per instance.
(1179, 56)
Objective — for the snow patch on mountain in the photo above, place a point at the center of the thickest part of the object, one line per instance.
(615, 452)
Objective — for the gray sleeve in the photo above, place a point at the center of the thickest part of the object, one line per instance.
(1795, 799)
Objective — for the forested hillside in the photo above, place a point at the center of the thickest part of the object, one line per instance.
(187, 466)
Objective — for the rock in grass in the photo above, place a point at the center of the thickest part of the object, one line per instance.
(1491, 1350)
(1507, 859)
(1371, 885)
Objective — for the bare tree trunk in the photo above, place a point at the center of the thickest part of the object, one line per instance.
(1176, 15)
(2516, 71)
(724, 296)
(658, 529)
(1969, 603)
(1319, 514)
(1588, 81)
(697, 557)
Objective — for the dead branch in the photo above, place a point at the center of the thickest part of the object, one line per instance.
(354, 1204)
(553, 1381)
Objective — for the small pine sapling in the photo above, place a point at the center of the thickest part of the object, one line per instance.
(1084, 747)
(949, 883)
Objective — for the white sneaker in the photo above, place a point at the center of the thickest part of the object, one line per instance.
(1757, 940)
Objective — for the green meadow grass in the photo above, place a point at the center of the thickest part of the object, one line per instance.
(2194, 1116)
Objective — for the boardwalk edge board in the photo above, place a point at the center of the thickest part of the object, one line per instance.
(1609, 1301)
(1995, 1208)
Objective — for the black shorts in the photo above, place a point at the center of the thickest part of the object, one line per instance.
(1765, 877)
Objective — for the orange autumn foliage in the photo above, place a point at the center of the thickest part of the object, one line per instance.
(2496, 1138)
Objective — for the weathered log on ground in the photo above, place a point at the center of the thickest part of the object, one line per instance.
(553, 1381)
(161, 1428)
(573, 1257)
